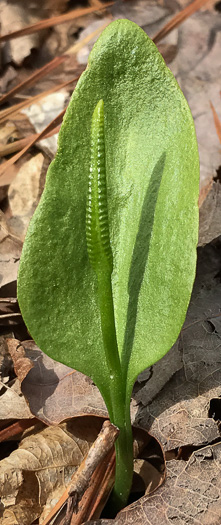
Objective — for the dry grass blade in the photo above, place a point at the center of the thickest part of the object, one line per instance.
(35, 77)
(178, 19)
(36, 138)
(8, 149)
(50, 22)
(217, 122)
(12, 111)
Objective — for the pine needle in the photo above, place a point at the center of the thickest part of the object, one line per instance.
(6, 165)
(12, 111)
(178, 19)
(34, 78)
(217, 122)
(53, 21)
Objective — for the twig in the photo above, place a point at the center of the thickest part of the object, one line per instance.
(82, 476)
(96, 495)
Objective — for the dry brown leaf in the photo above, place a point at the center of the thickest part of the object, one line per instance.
(146, 14)
(11, 247)
(13, 404)
(8, 132)
(22, 364)
(13, 15)
(42, 113)
(16, 428)
(46, 460)
(24, 193)
(149, 474)
(56, 6)
(197, 69)
(54, 391)
(6, 77)
(178, 416)
(190, 496)
(81, 481)
(18, 145)
(210, 215)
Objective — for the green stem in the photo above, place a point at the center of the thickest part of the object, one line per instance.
(124, 463)
(120, 408)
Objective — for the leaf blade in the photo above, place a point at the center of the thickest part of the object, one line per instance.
(150, 148)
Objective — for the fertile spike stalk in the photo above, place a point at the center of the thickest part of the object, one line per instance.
(101, 260)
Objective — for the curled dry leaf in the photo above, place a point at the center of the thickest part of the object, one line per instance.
(54, 391)
(22, 364)
(44, 463)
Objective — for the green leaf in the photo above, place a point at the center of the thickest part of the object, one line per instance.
(152, 191)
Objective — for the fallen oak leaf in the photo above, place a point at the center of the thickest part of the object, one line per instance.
(141, 437)
(13, 404)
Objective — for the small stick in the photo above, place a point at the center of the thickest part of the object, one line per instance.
(82, 476)
(96, 495)
(97, 452)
